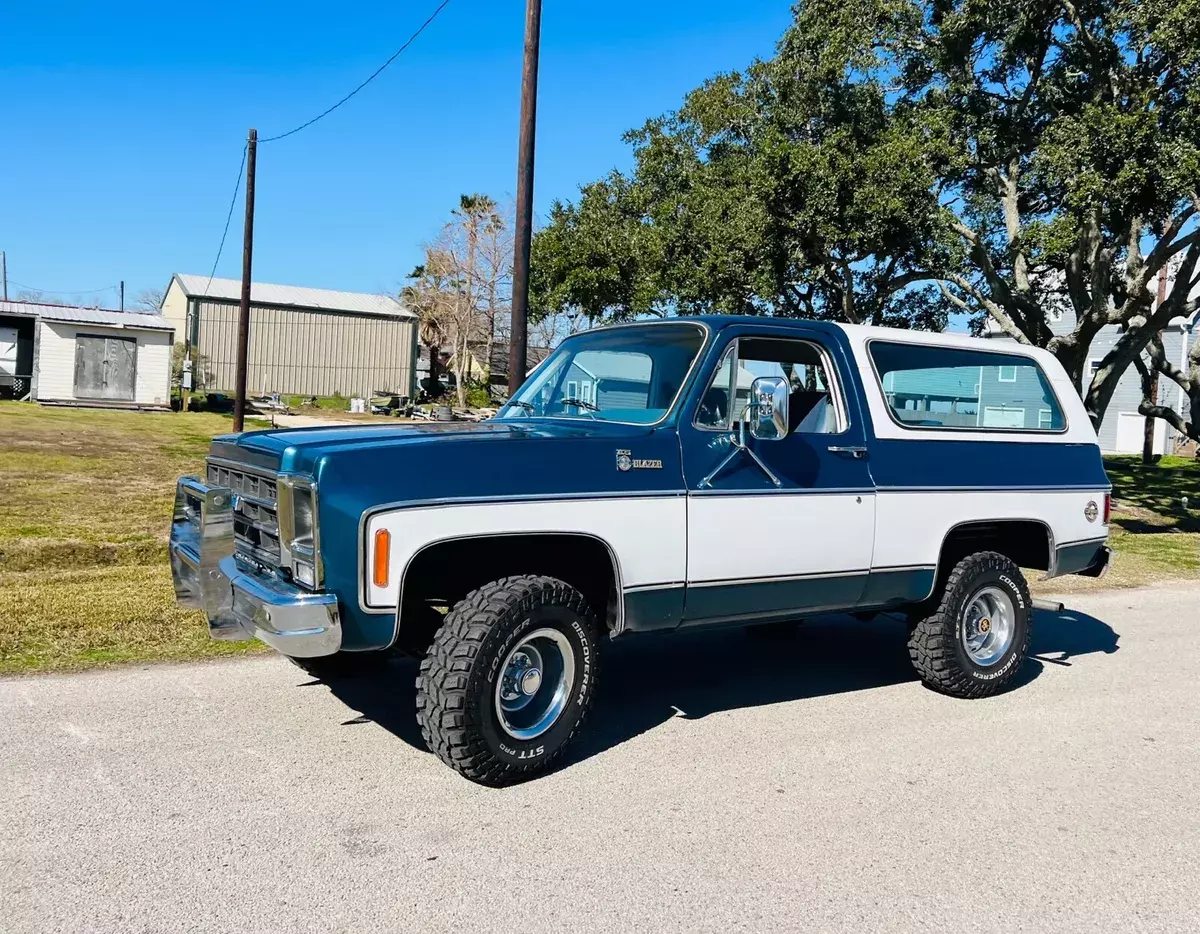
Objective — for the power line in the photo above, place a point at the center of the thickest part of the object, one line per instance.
(378, 71)
(32, 288)
(228, 217)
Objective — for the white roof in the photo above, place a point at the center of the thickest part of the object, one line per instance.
(860, 333)
(264, 293)
(77, 315)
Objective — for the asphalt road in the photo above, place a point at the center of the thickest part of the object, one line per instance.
(800, 782)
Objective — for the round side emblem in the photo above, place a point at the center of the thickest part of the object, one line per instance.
(1090, 511)
(624, 461)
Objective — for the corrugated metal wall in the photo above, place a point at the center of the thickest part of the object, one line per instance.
(303, 352)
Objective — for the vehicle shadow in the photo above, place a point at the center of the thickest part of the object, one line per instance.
(648, 680)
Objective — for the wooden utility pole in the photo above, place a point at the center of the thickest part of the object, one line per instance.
(4, 273)
(243, 332)
(122, 294)
(524, 232)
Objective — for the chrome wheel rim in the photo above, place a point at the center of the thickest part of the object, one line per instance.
(988, 626)
(535, 683)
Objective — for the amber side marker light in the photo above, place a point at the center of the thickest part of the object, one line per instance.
(383, 555)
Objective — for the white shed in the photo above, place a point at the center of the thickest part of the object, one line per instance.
(85, 356)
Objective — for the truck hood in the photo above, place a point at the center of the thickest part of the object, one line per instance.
(298, 449)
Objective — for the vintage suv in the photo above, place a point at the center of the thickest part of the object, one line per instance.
(656, 476)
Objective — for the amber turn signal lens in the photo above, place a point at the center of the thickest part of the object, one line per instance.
(383, 556)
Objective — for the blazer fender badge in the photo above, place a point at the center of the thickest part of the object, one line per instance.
(626, 461)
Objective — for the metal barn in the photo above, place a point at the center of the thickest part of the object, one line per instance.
(312, 342)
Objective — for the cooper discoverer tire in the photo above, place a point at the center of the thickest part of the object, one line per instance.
(509, 679)
(974, 643)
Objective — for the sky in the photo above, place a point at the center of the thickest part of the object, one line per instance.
(124, 126)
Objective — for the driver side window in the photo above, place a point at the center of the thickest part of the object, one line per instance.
(813, 404)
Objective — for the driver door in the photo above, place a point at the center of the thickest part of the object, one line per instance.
(791, 532)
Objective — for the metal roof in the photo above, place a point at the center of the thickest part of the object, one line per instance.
(264, 293)
(77, 315)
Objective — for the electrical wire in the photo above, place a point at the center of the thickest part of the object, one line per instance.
(378, 71)
(228, 217)
(270, 139)
(31, 288)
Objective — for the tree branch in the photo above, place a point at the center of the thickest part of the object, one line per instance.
(951, 297)
(848, 308)
(1158, 359)
(1084, 34)
(1170, 416)
(997, 311)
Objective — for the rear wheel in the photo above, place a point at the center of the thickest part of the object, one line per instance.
(509, 679)
(974, 643)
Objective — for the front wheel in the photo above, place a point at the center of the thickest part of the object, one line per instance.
(509, 679)
(973, 644)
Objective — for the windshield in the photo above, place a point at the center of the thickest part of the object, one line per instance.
(620, 375)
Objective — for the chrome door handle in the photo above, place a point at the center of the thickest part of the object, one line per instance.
(856, 451)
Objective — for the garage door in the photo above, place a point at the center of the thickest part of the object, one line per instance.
(1003, 416)
(105, 367)
(1131, 429)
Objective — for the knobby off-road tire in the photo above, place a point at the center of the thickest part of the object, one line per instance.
(463, 676)
(936, 643)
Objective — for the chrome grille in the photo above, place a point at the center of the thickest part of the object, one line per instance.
(244, 483)
(255, 517)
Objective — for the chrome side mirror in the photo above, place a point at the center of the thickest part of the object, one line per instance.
(767, 414)
(766, 418)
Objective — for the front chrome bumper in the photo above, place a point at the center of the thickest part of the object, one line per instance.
(240, 602)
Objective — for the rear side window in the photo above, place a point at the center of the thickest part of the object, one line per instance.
(949, 387)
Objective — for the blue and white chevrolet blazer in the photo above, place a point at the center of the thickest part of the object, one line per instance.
(656, 476)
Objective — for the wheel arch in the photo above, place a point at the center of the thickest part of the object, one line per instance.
(1028, 542)
(560, 554)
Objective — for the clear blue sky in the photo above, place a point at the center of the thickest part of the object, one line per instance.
(124, 123)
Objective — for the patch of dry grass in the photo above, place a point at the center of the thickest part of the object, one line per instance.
(85, 508)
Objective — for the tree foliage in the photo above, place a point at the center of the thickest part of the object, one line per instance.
(897, 160)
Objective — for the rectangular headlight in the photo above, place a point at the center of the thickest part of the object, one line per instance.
(304, 516)
(299, 535)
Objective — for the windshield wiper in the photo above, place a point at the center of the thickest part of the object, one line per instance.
(588, 407)
(525, 405)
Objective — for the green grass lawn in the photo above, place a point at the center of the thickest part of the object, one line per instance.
(85, 507)
(1155, 536)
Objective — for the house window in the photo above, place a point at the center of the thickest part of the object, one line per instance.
(1093, 366)
(572, 390)
(1045, 419)
(1006, 374)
